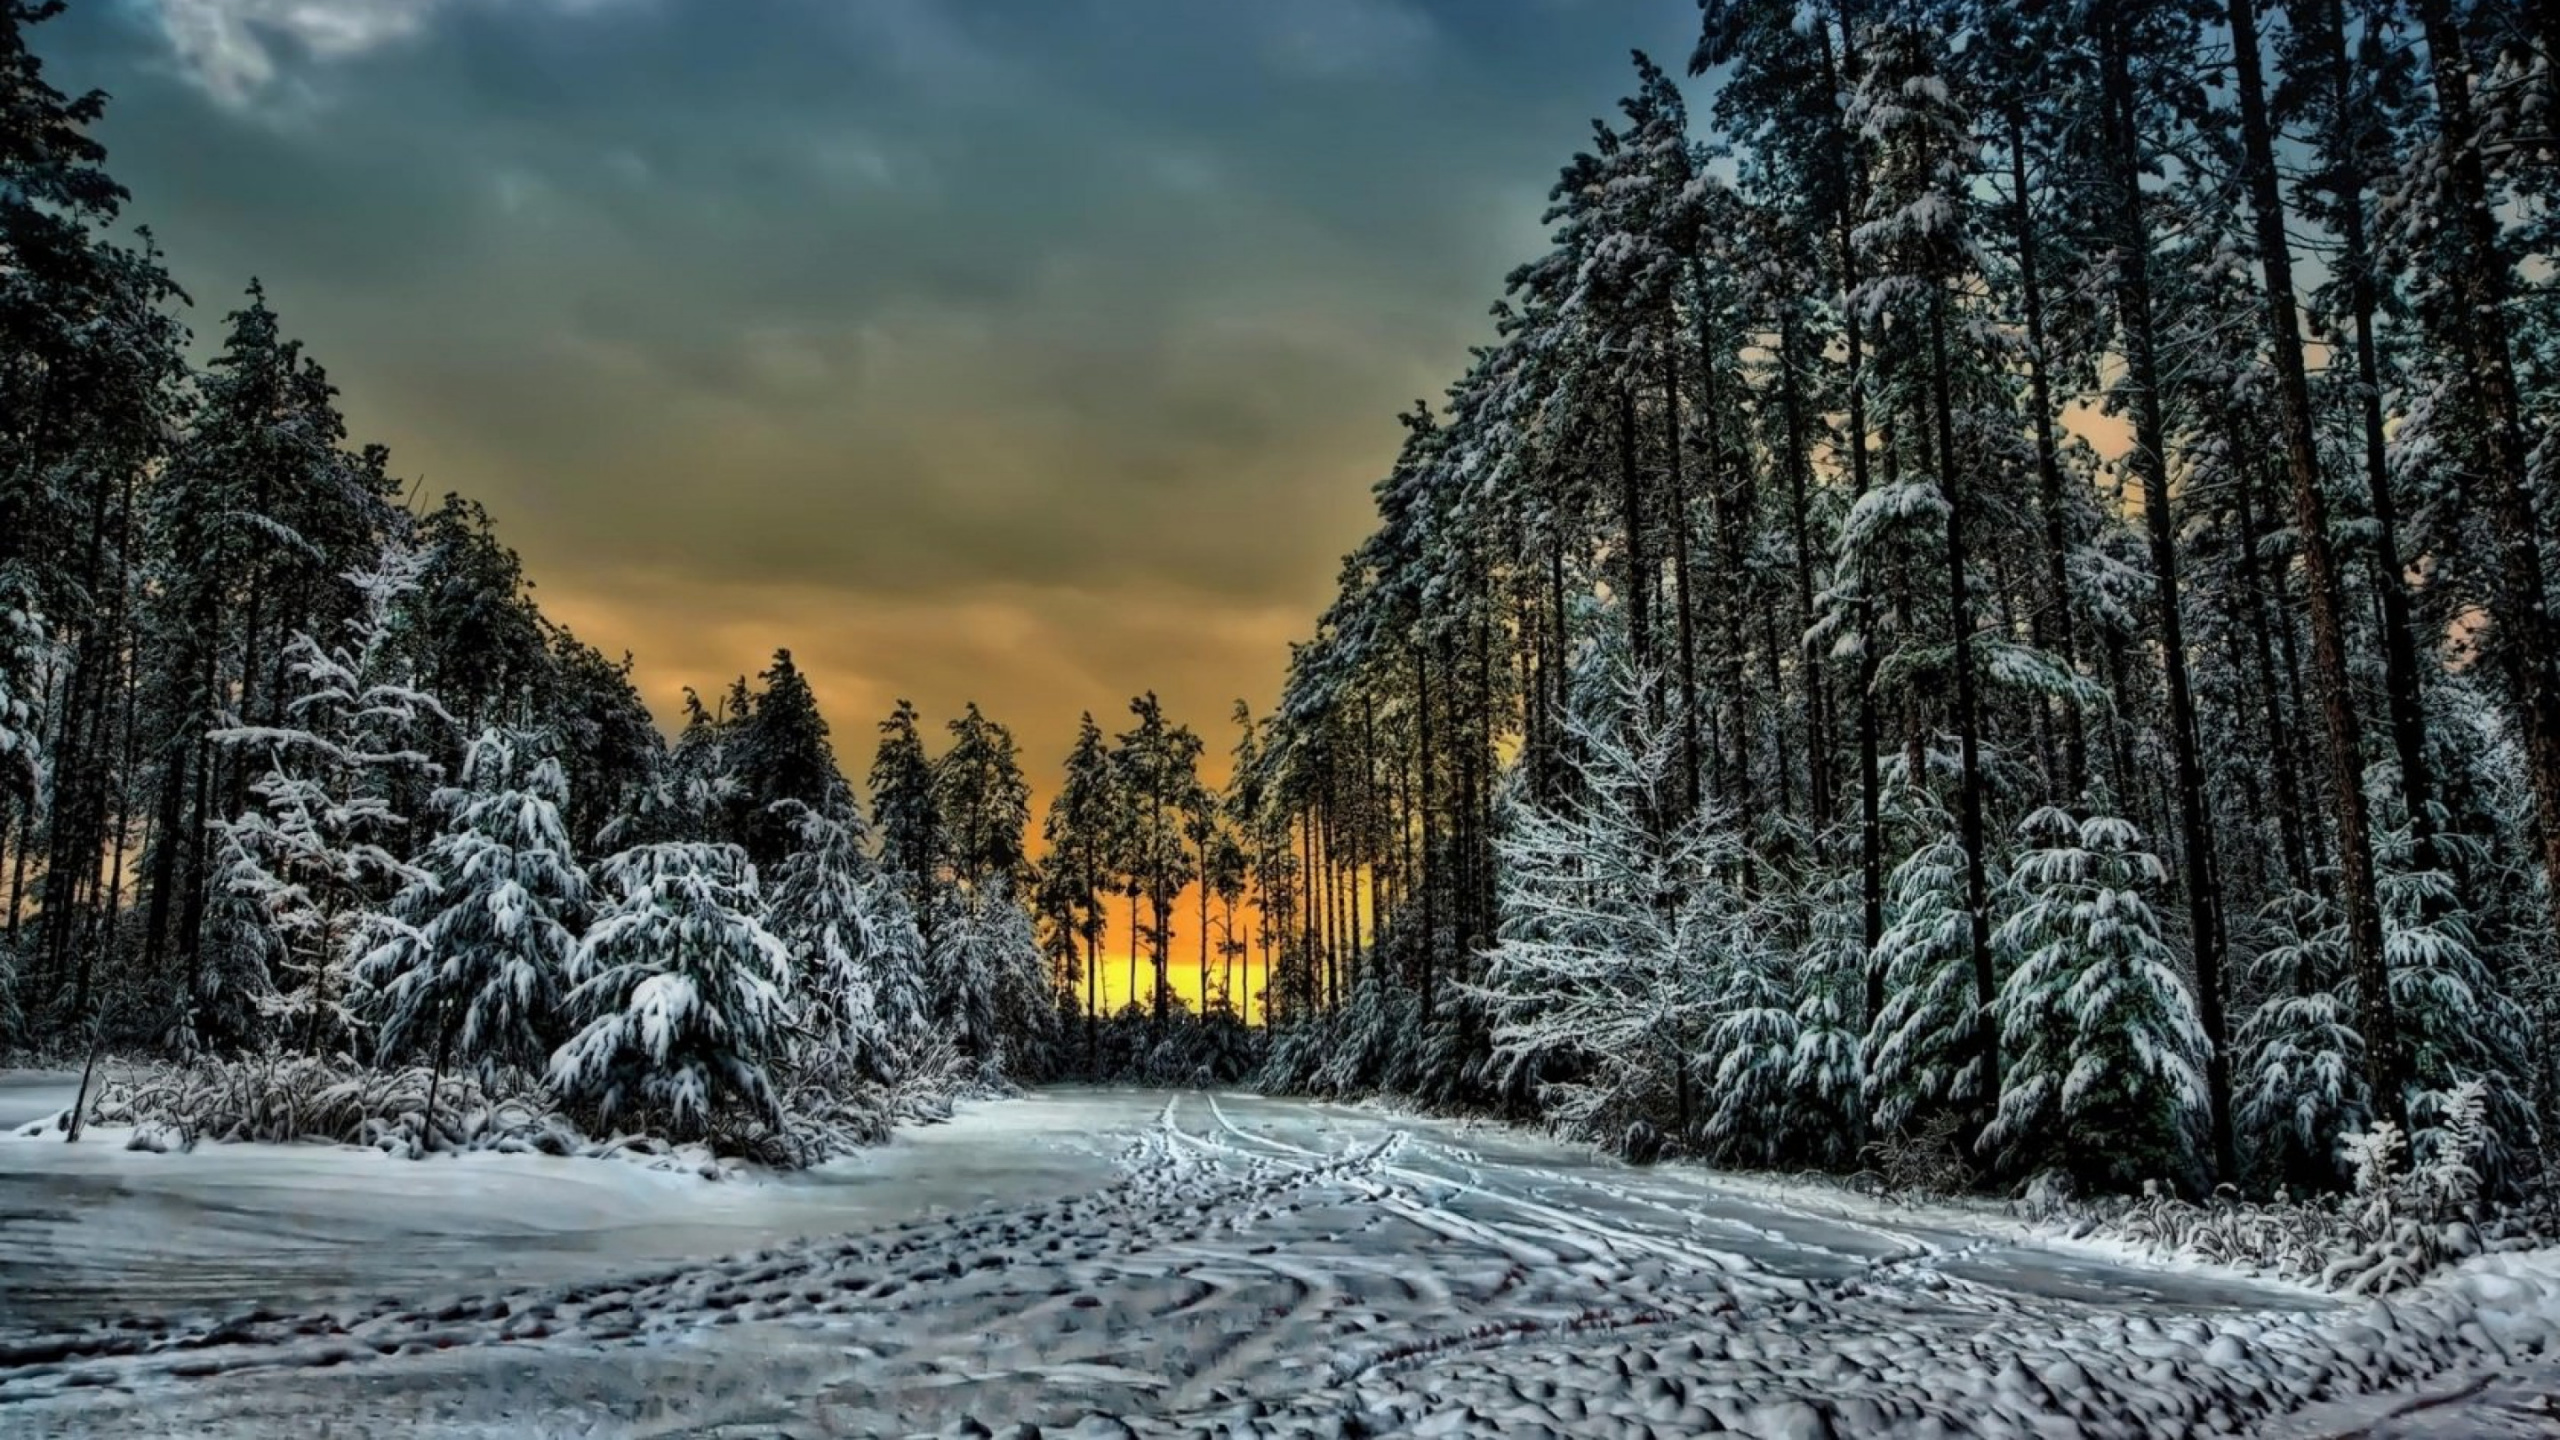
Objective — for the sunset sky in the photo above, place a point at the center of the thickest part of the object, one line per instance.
(1035, 352)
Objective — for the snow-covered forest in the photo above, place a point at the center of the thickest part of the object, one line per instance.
(1991, 589)
(1984, 605)
(1971, 661)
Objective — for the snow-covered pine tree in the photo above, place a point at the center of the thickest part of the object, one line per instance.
(781, 759)
(1824, 1075)
(2105, 1080)
(313, 857)
(990, 982)
(856, 956)
(2457, 1023)
(1603, 984)
(681, 992)
(1750, 1050)
(2301, 1082)
(1920, 1055)
(22, 648)
(468, 962)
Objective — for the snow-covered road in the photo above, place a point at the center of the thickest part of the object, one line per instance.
(1110, 1261)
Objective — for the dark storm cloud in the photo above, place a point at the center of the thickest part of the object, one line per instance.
(930, 335)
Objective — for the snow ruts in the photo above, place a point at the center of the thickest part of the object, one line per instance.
(1269, 1268)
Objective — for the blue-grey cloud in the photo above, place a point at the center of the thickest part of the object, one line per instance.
(757, 320)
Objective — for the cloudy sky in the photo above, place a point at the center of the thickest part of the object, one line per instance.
(1031, 351)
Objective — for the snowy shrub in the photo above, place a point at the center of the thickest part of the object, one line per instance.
(1926, 1158)
(2398, 1226)
(1370, 1045)
(680, 990)
(2102, 1076)
(2460, 1031)
(288, 1098)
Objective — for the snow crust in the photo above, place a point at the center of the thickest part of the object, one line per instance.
(1135, 1262)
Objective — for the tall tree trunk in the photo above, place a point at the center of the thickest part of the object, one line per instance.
(2263, 620)
(1422, 767)
(2400, 669)
(2053, 628)
(2342, 727)
(1678, 499)
(2150, 458)
(1977, 888)
(1631, 501)
(1817, 706)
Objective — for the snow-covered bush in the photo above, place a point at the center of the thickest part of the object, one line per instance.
(1617, 920)
(288, 1098)
(681, 992)
(2103, 1076)
(2461, 1033)
(2400, 1224)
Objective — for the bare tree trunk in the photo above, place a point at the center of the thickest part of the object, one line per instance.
(1678, 499)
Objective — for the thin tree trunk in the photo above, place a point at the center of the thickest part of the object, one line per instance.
(1969, 821)
(1631, 499)
(2401, 683)
(1816, 688)
(1678, 500)
(2261, 622)
(2054, 629)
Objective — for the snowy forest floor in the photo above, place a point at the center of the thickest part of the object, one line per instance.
(1117, 1261)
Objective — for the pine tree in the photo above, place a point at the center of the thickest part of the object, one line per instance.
(783, 760)
(469, 960)
(984, 802)
(321, 849)
(990, 991)
(1076, 834)
(858, 962)
(1920, 1053)
(2303, 1073)
(908, 814)
(1825, 1075)
(2106, 1080)
(681, 994)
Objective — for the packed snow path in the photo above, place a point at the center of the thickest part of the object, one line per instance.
(1119, 1262)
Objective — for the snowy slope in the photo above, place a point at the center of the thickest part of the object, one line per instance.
(1168, 1264)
